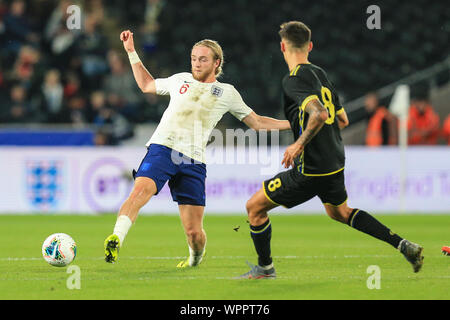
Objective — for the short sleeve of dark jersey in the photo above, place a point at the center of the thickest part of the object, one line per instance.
(306, 85)
(336, 101)
(302, 86)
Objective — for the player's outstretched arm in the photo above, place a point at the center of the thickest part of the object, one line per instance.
(317, 117)
(144, 79)
(257, 122)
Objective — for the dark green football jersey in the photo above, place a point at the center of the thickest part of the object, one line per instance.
(324, 154)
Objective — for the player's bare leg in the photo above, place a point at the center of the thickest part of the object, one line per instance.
(261, 233)
(192, 220)
(257, 207)
(366, 223)
(144, 188)
(339, 213)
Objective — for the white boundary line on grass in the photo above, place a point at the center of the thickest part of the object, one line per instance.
(305, 278)
(211, 257)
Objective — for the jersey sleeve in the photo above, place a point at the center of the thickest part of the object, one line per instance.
(339, 108)
(303, 87)
(336, 101)
(237, 106)
(163, 85)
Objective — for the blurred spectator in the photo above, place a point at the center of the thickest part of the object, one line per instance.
(446, 130)
(92, 48)
(19, 107)
(72, 86)
(103, 138)
(3, 10)
(24, 67)
(382, 124)
(56, 20)
(121, 88)
(3, 94)
(60, 39)
(76, 112)
(116, 125)
(97, 102)
(95, 6)
(150, 27)
(423, 122)
(112, 126)
(2, 80)
(52, 94)
(154, 108)
(18, 31)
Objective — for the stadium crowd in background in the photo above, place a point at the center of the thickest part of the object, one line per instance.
(423, 121)
(50, 74)
(382, 126)
(446, 130)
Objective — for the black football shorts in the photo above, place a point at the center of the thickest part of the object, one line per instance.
(291, 188)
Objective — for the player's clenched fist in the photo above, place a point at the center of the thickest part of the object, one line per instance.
(127, 39)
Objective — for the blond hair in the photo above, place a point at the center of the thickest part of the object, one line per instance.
(217, 53)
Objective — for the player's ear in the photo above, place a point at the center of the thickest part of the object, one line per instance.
(310, 46)
(282, 46)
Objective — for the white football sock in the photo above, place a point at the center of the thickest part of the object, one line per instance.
(400, 245)
(195, 257)
(270, 266)
(123, 224)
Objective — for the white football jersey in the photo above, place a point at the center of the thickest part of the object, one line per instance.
(193, 112)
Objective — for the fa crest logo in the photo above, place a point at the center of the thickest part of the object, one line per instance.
(44, 183)
(216, 91)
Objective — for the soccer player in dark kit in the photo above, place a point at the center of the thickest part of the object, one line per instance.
(316, 159)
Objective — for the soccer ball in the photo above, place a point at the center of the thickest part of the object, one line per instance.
(59, 249)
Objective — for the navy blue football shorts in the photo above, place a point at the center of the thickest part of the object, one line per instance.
(186, 176)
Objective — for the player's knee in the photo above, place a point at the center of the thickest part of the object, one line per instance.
(256, 213)
(252, 208)
(249, 206)
(194, 234)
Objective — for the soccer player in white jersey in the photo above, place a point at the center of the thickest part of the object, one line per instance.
(176, 149)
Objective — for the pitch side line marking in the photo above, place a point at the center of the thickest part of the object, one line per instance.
(208, 278)
(210, 257)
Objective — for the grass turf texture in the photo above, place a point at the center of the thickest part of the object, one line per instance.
(315, 258)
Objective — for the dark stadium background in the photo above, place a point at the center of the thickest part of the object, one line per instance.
(414, 35)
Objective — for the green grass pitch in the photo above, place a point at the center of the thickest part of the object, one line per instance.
(315, 258)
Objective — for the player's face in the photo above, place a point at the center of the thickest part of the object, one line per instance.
(203, 63)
